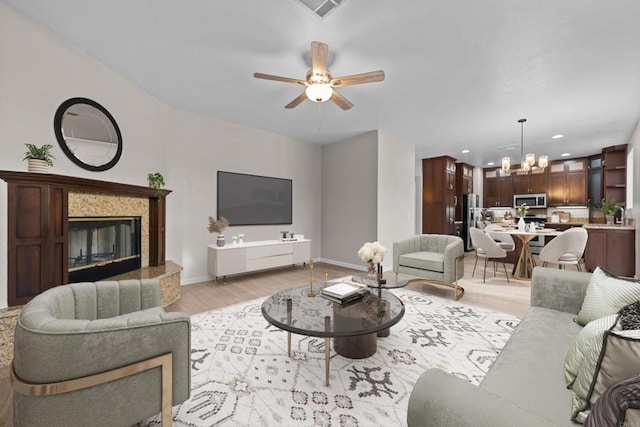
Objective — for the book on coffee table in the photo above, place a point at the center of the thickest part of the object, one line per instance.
(344, 291)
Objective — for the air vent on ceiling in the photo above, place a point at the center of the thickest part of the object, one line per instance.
(322, 7)
(508, 147)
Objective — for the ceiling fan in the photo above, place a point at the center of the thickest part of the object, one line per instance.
(319, 81)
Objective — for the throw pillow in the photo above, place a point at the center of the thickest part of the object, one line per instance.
(611, 407)
(606, 295)
(589, 336)
(630, 316)
(616, 358)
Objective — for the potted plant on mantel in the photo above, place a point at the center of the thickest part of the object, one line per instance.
(156, 180)
(609, 209)
(218, 226)
(38, 158)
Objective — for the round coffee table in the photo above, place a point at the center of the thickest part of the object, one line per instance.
(353, 326)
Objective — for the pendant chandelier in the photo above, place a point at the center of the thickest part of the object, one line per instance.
(528, 161)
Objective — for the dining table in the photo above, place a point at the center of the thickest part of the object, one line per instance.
(524, 267)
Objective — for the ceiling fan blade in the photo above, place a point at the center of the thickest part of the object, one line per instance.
(319, 53)
(278, 78)
(356, 79)
(297, 101)
(341, 101)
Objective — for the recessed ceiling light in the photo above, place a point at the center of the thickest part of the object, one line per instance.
(490, 164)
(558, 136)
(565, 154)
(464, 151)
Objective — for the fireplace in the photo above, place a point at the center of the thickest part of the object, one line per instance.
(102, 247)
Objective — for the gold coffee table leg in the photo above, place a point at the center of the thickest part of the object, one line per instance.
(327, 347)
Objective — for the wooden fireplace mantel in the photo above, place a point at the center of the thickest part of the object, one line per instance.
(37, 217)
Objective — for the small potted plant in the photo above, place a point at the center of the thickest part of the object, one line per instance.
(38, 158)
(218, 226)
(156, 180)
(609, 209)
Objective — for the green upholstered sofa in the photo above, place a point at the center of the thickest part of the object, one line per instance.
(525, 386)
(73, 332)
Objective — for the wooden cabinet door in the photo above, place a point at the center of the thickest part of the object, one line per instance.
(576, 189)
(538, 183)
(490, 193)
(37, 243)
(556, 189)
(611, 249)
(520, 184)
(595, 253)
(505, 192)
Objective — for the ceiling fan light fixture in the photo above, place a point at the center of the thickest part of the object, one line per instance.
(319, 92)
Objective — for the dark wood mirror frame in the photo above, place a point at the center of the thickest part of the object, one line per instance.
(58, 129)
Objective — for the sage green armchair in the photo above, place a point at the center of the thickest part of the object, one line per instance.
(98, 354)
(435, 258)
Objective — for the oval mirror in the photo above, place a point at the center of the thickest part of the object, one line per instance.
(88, 134)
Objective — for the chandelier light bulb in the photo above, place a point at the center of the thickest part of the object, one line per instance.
(506, 164)
(543, 161)
(530, 159)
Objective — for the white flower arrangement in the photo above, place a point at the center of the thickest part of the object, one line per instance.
(372, 253)
(522, 210)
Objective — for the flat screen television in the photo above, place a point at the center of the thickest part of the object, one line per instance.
(254, 200)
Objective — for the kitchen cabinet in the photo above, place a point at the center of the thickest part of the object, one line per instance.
(464, 185)
(612, 247)
(498, 188)
(615, 173)
(567, 183)
(532, 182)
(439, 195)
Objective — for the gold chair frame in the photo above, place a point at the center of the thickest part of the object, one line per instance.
(458, 291)
(164, 362)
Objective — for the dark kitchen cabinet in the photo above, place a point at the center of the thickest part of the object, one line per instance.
(567, 183)
(464, 185)
(612, 248)
(498, 188)
(531, 182)
(615, 173)
(439, 195)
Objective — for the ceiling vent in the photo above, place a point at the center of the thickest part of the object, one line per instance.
(508, 147)
(322, 7)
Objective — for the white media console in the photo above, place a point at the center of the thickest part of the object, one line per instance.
(253, 256)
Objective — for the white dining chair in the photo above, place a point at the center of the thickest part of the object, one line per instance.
(488, 249)
(504, 240)
(565, 249)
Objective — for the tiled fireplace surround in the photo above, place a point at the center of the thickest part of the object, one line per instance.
(94, 204)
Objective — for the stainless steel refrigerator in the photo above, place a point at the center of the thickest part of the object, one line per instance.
(470, 214)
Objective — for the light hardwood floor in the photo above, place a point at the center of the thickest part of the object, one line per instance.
(496, 294)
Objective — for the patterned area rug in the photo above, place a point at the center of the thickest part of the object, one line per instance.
(8, 319)
(242, 376)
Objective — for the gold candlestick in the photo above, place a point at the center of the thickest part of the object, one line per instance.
(311, 293)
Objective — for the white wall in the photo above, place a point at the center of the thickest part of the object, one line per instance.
(38, 71)
(396, 191)
(198, 147)
(349, 197)
(634, 152)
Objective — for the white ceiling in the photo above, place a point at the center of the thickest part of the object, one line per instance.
(459, 74)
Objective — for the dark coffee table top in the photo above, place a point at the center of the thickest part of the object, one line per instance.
(307, 317)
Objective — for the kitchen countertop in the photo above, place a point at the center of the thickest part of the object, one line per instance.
(610, 227)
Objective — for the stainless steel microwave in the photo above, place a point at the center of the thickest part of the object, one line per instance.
(531, 200)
